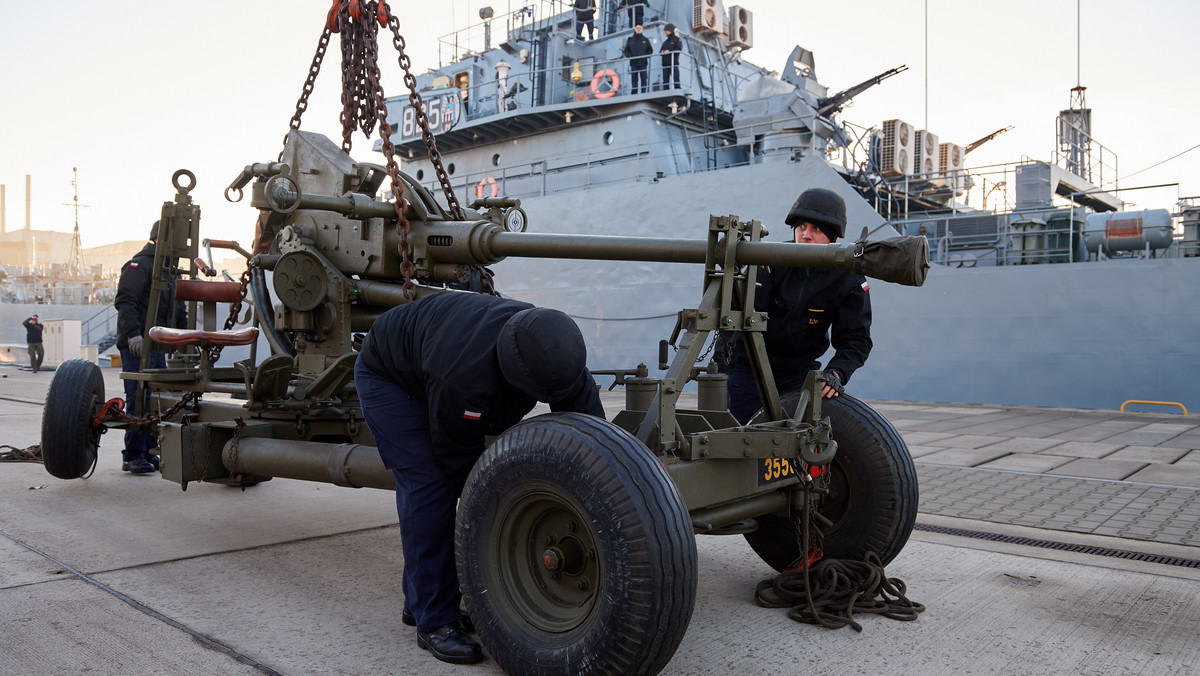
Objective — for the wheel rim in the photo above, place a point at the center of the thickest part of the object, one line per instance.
(547, 561)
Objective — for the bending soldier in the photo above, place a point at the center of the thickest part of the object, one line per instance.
(435, 377)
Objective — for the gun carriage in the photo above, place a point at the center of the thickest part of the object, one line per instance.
(575, 536)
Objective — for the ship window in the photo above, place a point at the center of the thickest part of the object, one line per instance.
(496, 160)
(608, 138)
(420, 174)
(450, 167)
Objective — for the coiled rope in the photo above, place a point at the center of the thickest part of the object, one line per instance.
(829, 591)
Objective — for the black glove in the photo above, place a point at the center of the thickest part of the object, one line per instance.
(833, 379)
(135, 346)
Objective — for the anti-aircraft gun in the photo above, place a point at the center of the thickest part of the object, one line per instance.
(575, 535)
(580, 530)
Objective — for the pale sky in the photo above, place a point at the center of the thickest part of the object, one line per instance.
(129, 92)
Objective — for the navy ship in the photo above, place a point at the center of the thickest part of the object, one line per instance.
(1046, 292)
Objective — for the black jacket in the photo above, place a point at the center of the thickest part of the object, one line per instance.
(673, 45)
(585, 10)
(442, 351)
(33, 332)
(637, 48)
(133, 298)
(804, 307)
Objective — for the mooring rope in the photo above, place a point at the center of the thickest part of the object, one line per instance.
(14, 454)
(833, 590)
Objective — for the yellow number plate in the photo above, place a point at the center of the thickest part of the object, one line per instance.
(771, 470)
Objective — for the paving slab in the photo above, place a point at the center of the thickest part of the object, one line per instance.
(1151, 454)
(1098, 469)
(1190, 459)
(921, 451)
(1083, 449)
(914, 437)
(963, 457)
(1188, 442)
(1099, 430)
(966, 441)
(1027, 462)
(1175, 475)
(1024, 445)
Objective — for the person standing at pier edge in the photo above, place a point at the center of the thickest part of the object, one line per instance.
(637, 49)
(133, 303)
(670, 56)
(33, 338)
(805, 307)
(585, 14)
(434, 377)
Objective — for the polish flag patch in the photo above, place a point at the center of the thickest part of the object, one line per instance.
(132, 264)
(472, 415)
(866, 287)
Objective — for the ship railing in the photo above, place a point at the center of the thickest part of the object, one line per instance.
(98, 326)
(534, 88)
(523, 25)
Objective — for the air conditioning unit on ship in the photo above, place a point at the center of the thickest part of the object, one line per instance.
(952, 165)
(741, 27)
(925, 153)
(896, 148)
(708, 16)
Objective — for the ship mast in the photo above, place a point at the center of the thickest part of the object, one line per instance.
(76, 265)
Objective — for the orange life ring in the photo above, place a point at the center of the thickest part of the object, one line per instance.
(481, 187)
(599, 77)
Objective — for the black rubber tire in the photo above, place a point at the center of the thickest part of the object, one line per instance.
(561, 485)
(69, 441)
(873, 491)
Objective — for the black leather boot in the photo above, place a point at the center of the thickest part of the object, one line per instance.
(451, 644)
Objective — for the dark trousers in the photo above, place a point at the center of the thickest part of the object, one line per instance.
(138, 441)
(36, 352)
(584, 24)
(635, 15)
(744, 401)
(425, 498)
(668, 72)
(637, 74)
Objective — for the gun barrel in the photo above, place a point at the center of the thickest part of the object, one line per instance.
(663, 250)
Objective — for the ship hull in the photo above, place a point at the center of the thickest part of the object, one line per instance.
(1084, 335)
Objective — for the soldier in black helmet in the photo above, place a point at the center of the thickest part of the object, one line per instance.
(434, 378)
(133, 303)
(806, 308)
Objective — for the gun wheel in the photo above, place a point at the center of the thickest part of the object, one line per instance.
(575, 551)
(69, 441)
(873, 492)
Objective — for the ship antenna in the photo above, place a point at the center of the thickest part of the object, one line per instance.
(76, 264)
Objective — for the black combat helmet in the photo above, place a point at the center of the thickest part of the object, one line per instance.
(823, 208)
(154, 231)
(541, 353)
(670, 27)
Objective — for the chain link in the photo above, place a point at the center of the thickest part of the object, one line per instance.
(302, 102)
(152, 420)
(363, 107)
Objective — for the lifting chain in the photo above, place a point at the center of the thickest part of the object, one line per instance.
(363, 107)
(302, 102)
